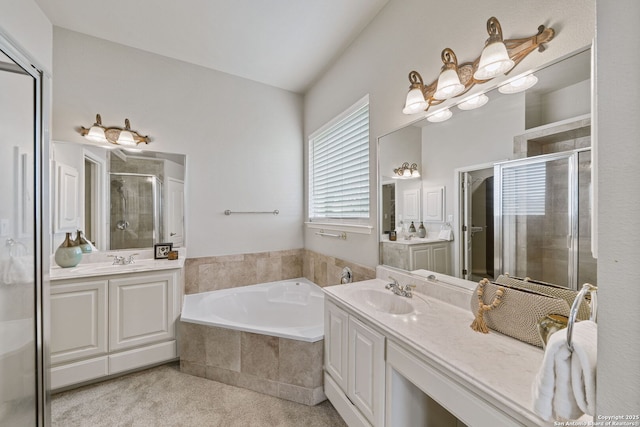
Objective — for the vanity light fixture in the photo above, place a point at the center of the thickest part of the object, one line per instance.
(440, 116)
(113, 135)
(455, 80)
(406, 171)
(519, 85)
(474, 102)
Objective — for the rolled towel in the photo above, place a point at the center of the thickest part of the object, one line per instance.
(553, 396)
(583, 365)
(565, 386)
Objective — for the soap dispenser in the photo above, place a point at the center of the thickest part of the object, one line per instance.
(422, 232)
(412, 228)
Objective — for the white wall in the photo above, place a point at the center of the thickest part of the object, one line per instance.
(22, 22)
(618, 207)
(242, 139)
(408, 35)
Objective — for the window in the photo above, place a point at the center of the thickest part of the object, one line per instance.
(339, 166)
(524, 189)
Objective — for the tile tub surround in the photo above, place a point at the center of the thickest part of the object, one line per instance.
(227, 271)
(280, 367)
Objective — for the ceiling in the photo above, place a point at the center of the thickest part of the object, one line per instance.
(282, 43)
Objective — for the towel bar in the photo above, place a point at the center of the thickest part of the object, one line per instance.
(342, 235)
(229, 212)
(587, 287)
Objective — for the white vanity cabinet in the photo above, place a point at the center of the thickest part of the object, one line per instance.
(417, 254)
(430, 256)
(354, 368)
(111, 324)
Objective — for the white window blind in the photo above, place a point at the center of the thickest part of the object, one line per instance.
(524, 189)
(339, 167)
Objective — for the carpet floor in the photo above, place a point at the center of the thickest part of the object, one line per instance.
(163, 396)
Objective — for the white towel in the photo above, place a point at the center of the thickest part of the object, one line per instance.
(583, 365)
(565, 385)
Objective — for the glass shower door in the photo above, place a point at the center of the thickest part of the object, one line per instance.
(537, 218)
(20, 354)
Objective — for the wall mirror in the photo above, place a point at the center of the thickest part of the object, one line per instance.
(481, 174)
(119, 198)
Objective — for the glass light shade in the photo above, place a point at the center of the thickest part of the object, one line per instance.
(126, 138)
(448, 85)
(440, 116)
(519, 85)
(415, 102)
(96, 134)
(474, 102)
(415, 174)
(493, 62)
(406, 173)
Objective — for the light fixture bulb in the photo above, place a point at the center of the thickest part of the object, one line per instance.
(493, 61)
(415, 102)
(440, 116)
(474, 102)
(96, 134)
(126, 138)
(519, 85)
(448, 85)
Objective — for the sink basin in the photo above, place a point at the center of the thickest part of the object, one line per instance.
(386, 302)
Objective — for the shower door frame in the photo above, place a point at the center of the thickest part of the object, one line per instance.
(41, 224)
(572, 214)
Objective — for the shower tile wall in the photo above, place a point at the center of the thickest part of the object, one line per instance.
(221, 272)
(140, 200)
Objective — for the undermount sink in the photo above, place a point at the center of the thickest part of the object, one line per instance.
(386, 302)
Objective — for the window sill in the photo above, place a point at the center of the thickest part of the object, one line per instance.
(340, 226)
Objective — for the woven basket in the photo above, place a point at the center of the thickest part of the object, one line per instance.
(569, 295)
(519, 311)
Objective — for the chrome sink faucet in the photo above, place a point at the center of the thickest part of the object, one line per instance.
(121, 260)
(398, 289)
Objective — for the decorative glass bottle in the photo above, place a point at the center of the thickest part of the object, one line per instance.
(412, 228)
(68, 253)
(422, 232)
(82, 242)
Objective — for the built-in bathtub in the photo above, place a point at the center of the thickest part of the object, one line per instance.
(266, 337)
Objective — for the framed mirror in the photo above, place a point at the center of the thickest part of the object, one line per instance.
(118, 198)
(458, 197)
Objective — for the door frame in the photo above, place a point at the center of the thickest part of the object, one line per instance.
(458, 212)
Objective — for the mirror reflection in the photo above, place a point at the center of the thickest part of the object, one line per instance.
(118, 198)
(502, 188)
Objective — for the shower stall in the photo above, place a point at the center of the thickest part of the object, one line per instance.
(136, 210)
(543, 218)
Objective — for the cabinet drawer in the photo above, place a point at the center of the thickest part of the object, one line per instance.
(140, 357)
(74, 373)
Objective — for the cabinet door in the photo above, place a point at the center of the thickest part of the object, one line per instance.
(78, 320)
(335, 343)
(366, 371)
(420, 257)
(440, 258)
(141, 310)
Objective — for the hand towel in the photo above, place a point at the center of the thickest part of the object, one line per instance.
(583, 365)
(564, 387)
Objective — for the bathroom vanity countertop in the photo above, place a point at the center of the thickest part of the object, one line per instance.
(414, 240)
(498, 368)
(94, 269)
